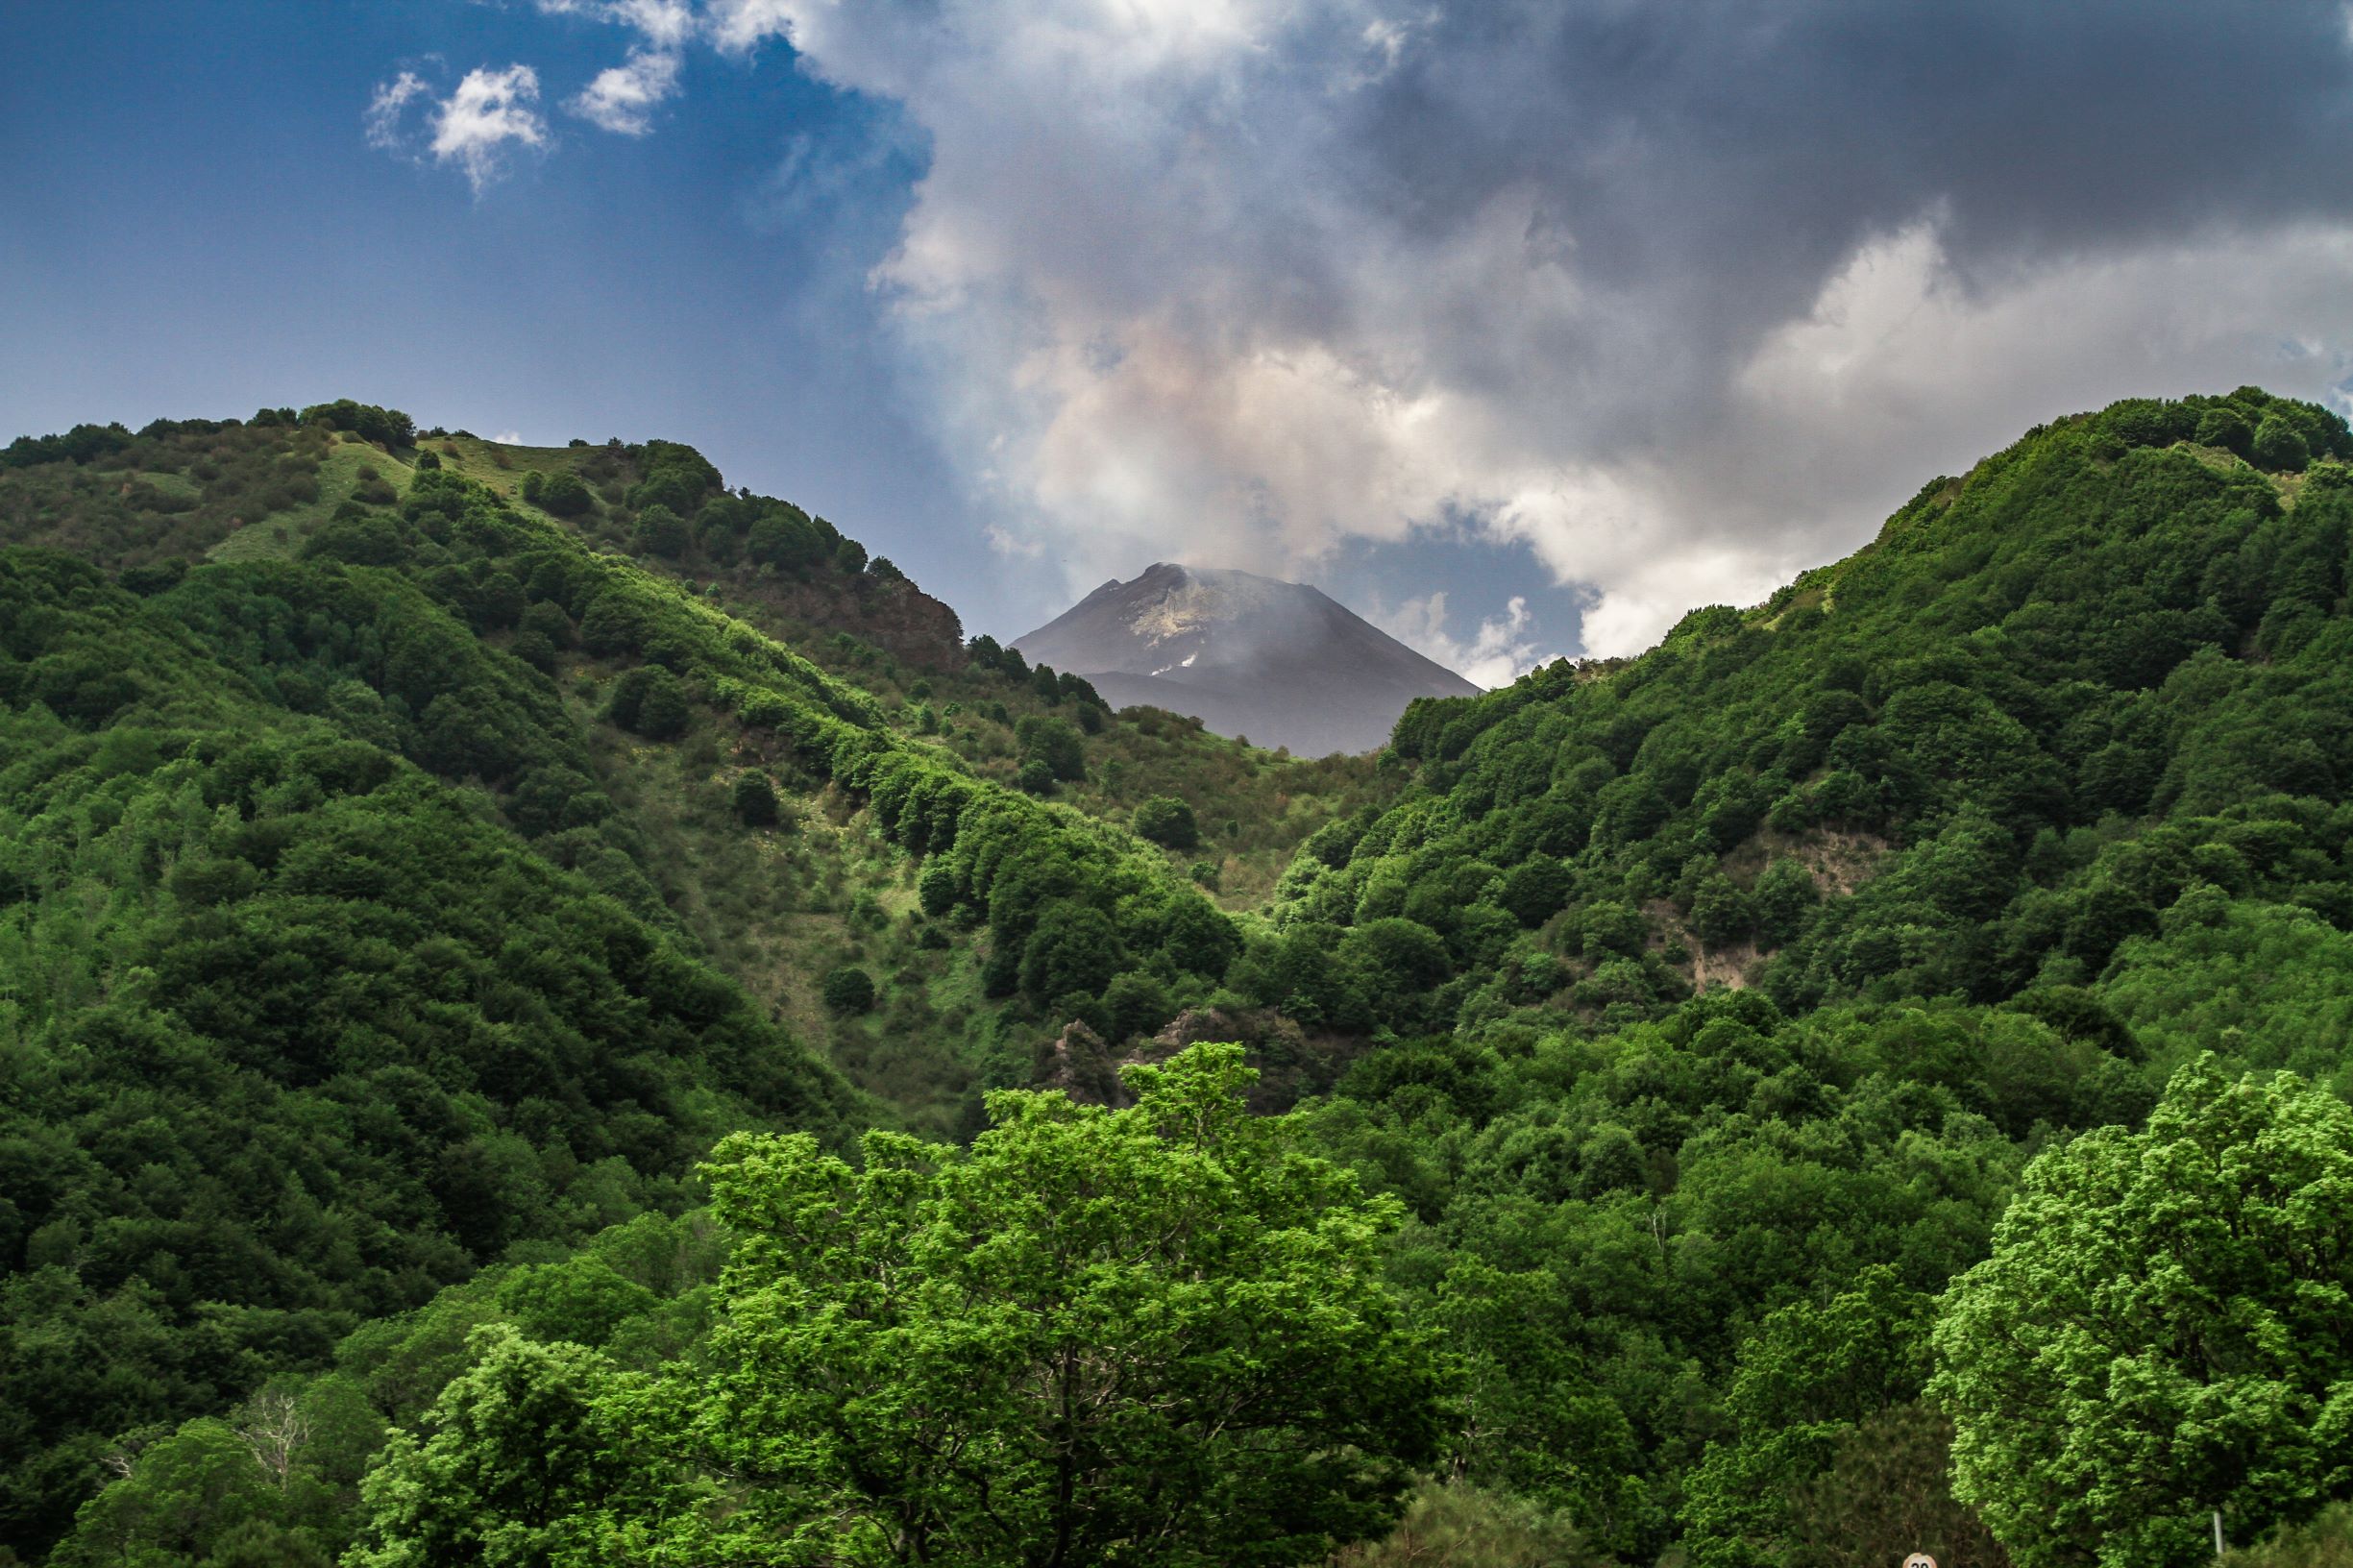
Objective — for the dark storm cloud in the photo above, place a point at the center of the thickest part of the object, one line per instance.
(1713, 163)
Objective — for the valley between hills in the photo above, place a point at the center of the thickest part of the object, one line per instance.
(554, 1011)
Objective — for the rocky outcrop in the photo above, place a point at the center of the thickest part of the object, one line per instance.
(1292, 1061)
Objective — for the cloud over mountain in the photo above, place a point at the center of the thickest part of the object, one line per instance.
(1681, 296)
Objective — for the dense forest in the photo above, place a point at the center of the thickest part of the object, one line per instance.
(556, 1012)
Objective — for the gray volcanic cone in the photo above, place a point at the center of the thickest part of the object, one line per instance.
(1280, 662)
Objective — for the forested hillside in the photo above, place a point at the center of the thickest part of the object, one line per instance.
(392, 878)
(502, 952)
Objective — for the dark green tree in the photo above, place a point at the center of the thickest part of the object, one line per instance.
(848, 988)
(2280, 446)
(565, 496)
(753, 800)
(1055, 742)
(1075, 948)
(1166, 820)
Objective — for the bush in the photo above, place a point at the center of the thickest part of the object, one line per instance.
(1137, 1004)
(2279, 445)
(2225, 427)
(1054, 742)
(649, 701)
(1166, 820)
(754, 799)
(565, 496)
(1036, 777)
(847, 990)
(660, 531)
(936, 889)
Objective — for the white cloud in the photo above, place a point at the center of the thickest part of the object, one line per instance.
(737, 25)
(621, 98)
(666, 24)
(385, 109)
(489, 113)
(1496, 653)
(508, 438)
(474, 127)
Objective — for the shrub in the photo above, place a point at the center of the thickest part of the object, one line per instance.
(847, 990)
(565, 496)
(754, 799)
(1054, 742)
(660, 531)
(1166, 820)
(2225, 427)
(2279, 445)
(936, 889)
(649, 701)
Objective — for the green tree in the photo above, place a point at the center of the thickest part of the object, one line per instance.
(2280, 446)
(754, 799)
(613, 623)
(1075, 948)
(2159, 1329)
(1721, 912)
(1138, 1003)
(660, 531)
(2222, 426)
(848, 988)
(649, 701)
(1784, 896)
(565, 496)
(1054, 742)
(1164, 819)
(1156, 1336)
(520, 1461)
(1804, 1382)
(937, 889)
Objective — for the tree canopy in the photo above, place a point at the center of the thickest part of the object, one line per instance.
(2159, 1329)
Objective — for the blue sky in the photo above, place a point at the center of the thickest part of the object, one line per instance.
(1522, 328)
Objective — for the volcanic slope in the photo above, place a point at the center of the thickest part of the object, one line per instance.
(1280, 662)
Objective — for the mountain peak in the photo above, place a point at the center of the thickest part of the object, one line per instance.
(1281, 662)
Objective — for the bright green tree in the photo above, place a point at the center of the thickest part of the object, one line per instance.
(1156, 1336)
(521, 1460)
(2160, 1330)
